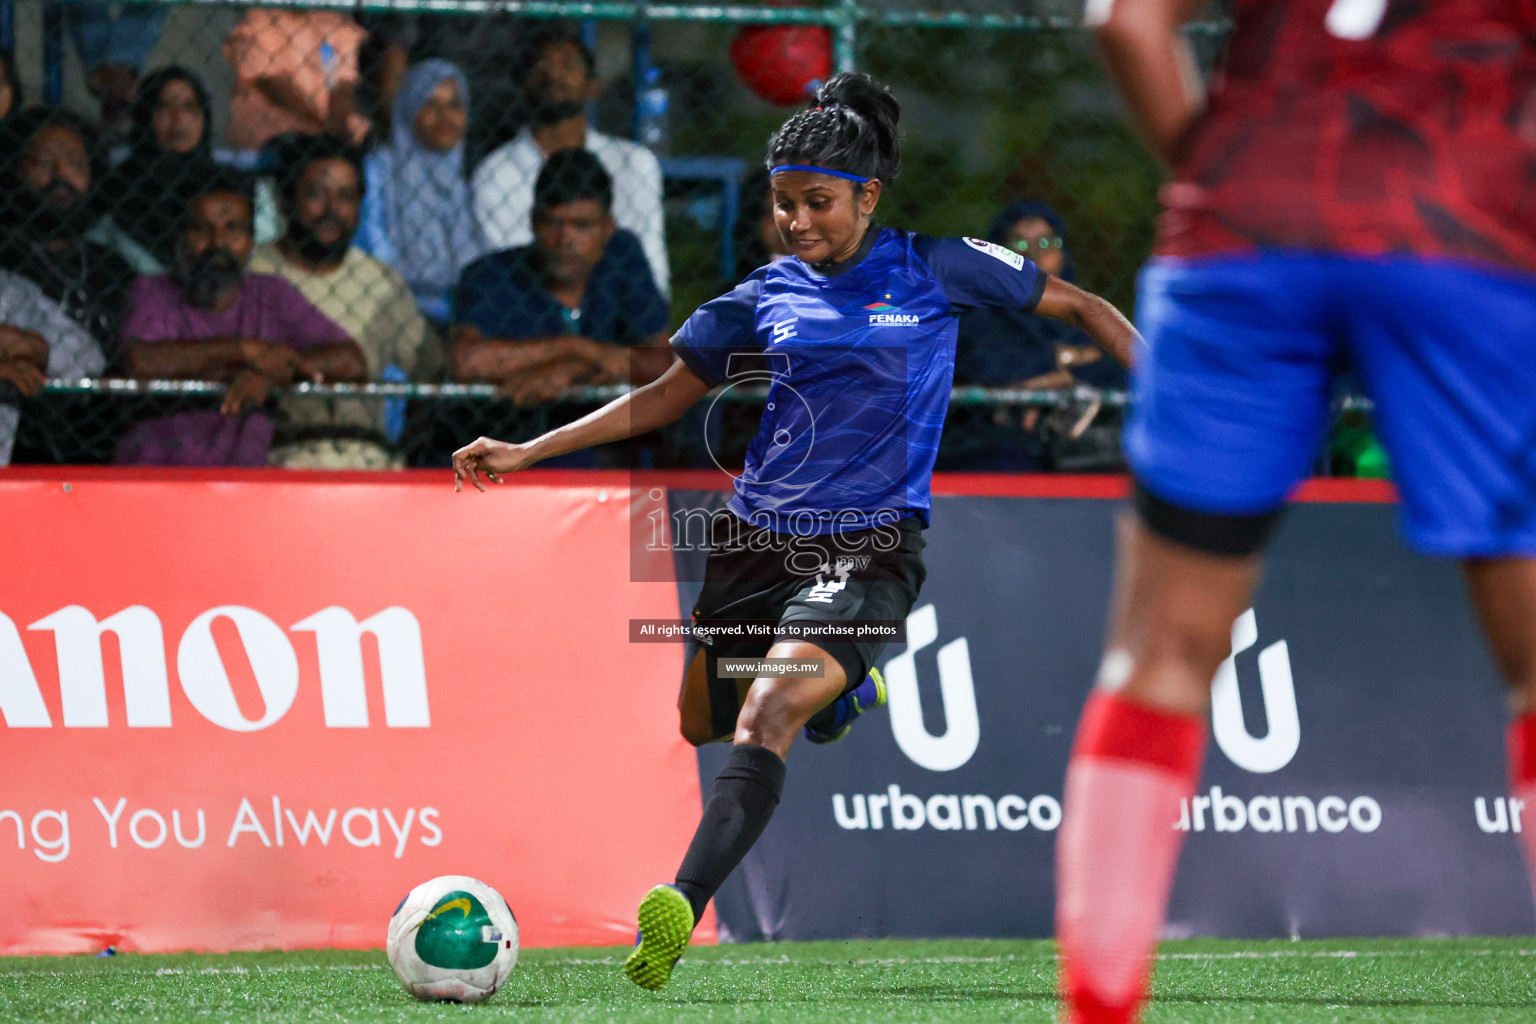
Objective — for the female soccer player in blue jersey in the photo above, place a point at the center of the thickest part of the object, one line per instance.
(855, 336)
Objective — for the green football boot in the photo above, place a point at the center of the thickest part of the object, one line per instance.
(666, 922)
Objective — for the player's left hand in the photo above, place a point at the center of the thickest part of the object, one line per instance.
(489, 456)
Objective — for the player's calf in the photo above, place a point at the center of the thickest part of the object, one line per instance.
(1116, 852)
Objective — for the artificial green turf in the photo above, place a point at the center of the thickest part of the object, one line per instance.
(1489, 981)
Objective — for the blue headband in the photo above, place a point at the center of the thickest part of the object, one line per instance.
(818, 170)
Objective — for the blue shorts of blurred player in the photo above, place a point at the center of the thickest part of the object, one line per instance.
(1232, 401)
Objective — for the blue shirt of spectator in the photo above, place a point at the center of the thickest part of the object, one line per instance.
(578, 307)
(502, 295)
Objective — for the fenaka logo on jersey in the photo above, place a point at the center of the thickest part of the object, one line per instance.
(883, 314)
(996, 251)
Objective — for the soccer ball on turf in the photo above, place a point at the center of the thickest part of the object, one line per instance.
(453, 938)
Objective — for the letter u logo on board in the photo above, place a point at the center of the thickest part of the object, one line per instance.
(1278, 746)
(962, 727)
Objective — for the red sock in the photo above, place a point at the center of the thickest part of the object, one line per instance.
(1117, 850)
(1522, 784)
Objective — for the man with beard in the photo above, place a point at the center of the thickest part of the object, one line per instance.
(47, 207)
(210, 319)
(559, 80)
(321, 192)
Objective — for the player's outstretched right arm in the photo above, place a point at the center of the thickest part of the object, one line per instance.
(1092, 315)
(636, 412)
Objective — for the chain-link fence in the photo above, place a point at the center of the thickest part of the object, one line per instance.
(228, 200)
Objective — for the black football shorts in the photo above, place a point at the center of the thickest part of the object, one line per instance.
(832, 582)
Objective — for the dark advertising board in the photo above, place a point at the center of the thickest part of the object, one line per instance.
(1354, 782)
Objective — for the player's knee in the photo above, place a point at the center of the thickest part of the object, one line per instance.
(695, 735)
(768, 715)
(1173, 668)
(693, 721)
(1199, 646)
(1517, 666)
(695, 709)
(757, 714)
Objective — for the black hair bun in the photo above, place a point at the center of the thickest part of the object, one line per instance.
(862, 94)
(851, 128)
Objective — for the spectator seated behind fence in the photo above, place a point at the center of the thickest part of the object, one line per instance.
(170, 156)
(295, 71)
(212, 319)
(49, 213)
(575, 307)
(559, 80)
(1012, 349)
(321, 190)
(37, 341)
(417, 214)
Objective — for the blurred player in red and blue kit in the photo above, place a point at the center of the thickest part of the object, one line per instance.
(1361, 182)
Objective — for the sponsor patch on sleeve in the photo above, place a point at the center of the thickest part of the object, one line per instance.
(996, 251)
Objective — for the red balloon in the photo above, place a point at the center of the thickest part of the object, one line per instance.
(778, 61)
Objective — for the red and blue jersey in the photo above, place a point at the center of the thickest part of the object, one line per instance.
(1362, 189)
(1366, 127)
(859, 362)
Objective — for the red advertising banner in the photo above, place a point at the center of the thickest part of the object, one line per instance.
(253, 710)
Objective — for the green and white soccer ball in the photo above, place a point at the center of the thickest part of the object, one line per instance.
(453, 938)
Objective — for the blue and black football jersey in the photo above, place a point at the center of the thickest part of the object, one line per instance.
(859, 364)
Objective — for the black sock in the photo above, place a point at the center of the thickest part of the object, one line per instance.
(740, 803)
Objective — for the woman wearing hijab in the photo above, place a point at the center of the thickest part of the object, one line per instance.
(1002, 349)
(170, 156)
(417, 215)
